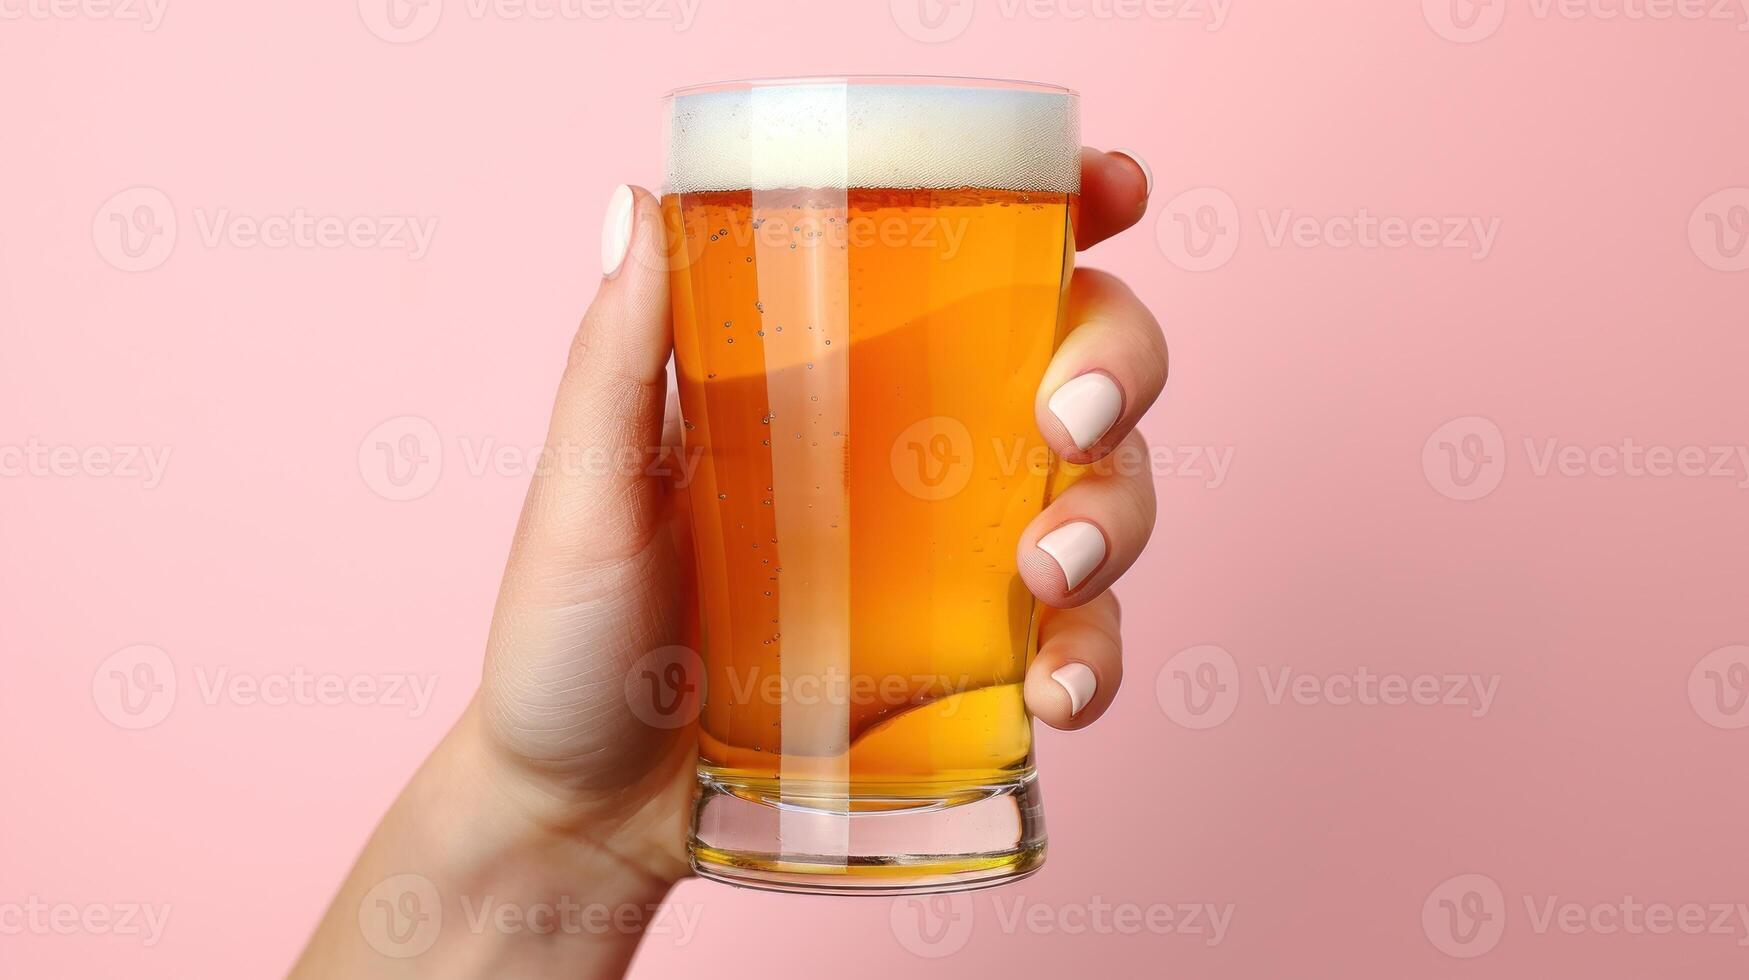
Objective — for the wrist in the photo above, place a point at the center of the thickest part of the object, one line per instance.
(471, 875)
(509, 817)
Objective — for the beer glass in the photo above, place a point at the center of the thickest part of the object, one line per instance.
(868, 279)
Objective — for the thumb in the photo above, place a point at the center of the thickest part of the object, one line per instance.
(594, 501)
(594, 582)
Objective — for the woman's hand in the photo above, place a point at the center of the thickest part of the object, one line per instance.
(552, 785)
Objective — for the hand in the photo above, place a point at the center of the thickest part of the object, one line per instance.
(555, 771)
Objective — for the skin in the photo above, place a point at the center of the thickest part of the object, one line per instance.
(549, 788)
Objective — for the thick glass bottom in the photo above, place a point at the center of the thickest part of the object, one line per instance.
(810, 840)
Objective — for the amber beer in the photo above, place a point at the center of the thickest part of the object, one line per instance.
(868, 280)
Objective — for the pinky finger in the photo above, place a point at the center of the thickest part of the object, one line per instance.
(1079, 664)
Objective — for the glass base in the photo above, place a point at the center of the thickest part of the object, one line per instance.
(954, 838)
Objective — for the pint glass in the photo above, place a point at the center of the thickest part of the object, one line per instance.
(868, 279)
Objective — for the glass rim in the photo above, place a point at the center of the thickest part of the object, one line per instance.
(860, 81)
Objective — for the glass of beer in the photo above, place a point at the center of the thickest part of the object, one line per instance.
(868, 279)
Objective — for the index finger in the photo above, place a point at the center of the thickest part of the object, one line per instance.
(1114, 194)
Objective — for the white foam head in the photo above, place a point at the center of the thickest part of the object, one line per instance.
(836, 134)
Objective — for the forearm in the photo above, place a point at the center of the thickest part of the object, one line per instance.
(460, 882)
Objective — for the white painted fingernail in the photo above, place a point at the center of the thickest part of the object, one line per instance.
(616, 230)
(1147, 171)
(1077, 547)
(1087, 406)
(1079, 681)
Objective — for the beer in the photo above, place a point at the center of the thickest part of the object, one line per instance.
(861, 322)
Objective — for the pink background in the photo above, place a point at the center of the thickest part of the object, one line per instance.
(1609, 762)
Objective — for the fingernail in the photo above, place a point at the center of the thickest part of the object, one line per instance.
(616, 230)
(1147, 171)
(1079, 681)
(1087, 406)
(1077, 547)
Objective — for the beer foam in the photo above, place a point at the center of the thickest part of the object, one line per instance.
(830, 134)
